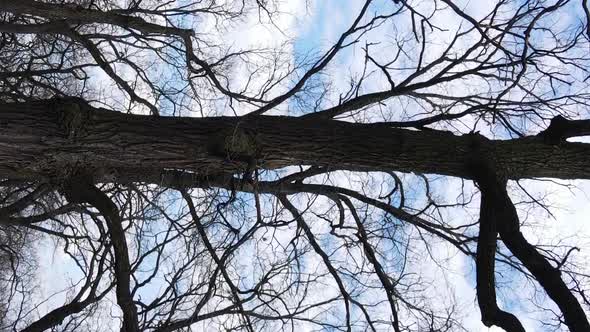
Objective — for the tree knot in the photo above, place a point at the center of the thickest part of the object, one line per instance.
(240, 142)
(73, 116)
(235, 144)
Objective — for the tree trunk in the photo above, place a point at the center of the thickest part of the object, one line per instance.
(51, 140)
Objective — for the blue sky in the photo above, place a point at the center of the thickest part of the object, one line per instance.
(331, 17)
(314, 35)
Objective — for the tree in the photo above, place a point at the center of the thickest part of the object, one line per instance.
(199, 184)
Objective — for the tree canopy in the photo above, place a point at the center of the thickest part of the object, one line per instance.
(280, 165)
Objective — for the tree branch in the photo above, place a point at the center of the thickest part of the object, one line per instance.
(497, 204)
(562, 128)
(485, 271)
(114, 143)
(78, 190)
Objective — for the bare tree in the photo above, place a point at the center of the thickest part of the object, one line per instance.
(201, 185)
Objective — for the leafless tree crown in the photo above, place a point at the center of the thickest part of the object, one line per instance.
(394, 177)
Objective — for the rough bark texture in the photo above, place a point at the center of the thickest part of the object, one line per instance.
(48, 140)
(71, 145)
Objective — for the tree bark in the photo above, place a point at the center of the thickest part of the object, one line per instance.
(498, 215)
(50, 140)
(80, 191)
(485, 260)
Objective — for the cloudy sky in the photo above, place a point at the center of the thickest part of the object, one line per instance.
(305, 29)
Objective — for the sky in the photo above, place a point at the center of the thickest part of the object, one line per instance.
(320, 28)
(313, 26)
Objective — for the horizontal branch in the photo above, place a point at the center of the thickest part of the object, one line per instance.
(49, 140)
(77, 14)
(562, 128)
